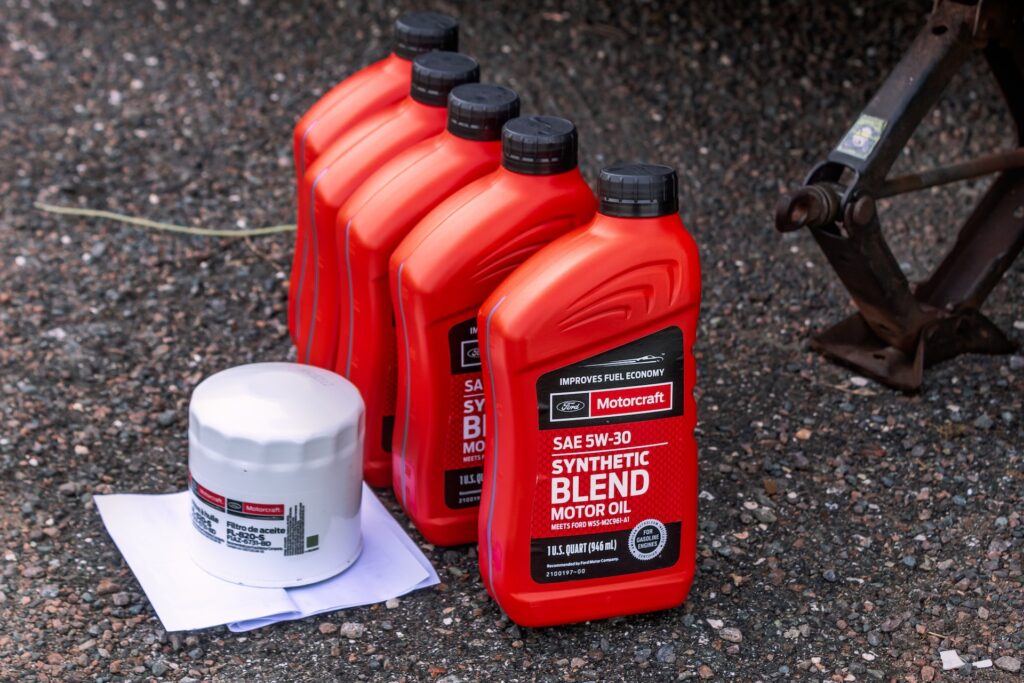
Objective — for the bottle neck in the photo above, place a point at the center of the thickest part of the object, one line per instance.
(398, 65)
(636, 226)
(461, 143)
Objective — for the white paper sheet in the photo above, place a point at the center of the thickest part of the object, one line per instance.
(951, 660)
(151, 531)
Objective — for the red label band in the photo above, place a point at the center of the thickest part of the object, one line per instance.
(208, 495)
(268, 510)
(631, 400)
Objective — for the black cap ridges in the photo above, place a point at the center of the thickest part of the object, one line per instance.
(434, 74)
(638, 191)
(539, 145)
(419, 32)
(478, 111)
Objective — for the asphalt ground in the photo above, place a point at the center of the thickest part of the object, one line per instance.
(847, 532)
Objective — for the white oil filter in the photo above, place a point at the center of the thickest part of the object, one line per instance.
(275, 474)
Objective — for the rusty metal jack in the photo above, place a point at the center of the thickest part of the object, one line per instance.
(900, 330)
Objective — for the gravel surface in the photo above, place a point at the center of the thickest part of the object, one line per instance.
(847, 532)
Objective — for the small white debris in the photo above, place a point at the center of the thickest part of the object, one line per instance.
(57, 333)
(869, 656)
(716, 623)
(951, 660)
(20, 261)
(858, 381)
(703, 495)
(983, 664)
(114, 97)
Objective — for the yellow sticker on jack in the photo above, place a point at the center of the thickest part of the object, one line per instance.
(861, 139)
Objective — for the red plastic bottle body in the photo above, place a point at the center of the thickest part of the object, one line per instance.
(359, 96)
(369, 228)
(590, 479)
(440, 274)
(362, 94)
(329, 182)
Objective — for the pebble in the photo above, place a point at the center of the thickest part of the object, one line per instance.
(69, 488)
(830, 575)
(159, 668)
(666, 654)
(983, 422)
(120, 599)
(328, 628)
(891, 624)
(353, 630)
(1007, 663)
(733, 635)
(909, 561)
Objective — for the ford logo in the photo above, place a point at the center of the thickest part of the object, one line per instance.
(570, 406)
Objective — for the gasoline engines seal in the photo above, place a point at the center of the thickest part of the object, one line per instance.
(647, 539)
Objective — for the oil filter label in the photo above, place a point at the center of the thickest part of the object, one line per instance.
(248, 526)
(464, 438)
(611, 463)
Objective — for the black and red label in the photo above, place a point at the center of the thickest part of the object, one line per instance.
(464, 440)
(611, 464)
(272, 527)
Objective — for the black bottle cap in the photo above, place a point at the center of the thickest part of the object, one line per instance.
(419, 32)
(638, 191)
(539, 145)
(434, 74)
(478, 111)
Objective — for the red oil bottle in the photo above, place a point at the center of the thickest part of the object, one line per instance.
(340, 170)
(440, 274)
(360, 95)
(589, 505)
(373, 222)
